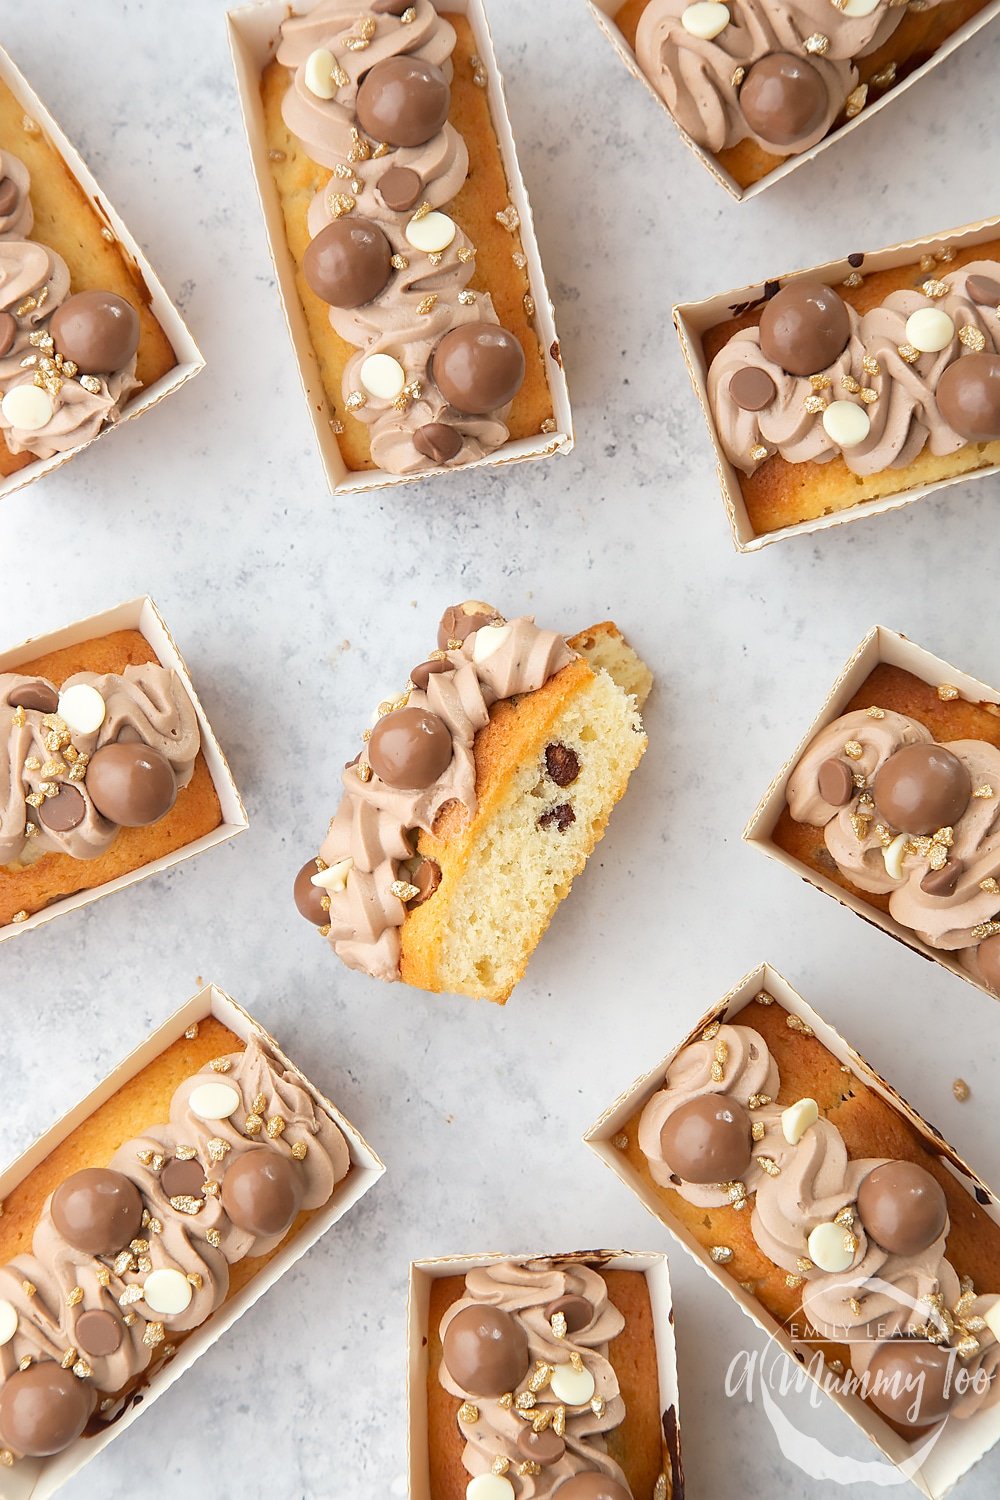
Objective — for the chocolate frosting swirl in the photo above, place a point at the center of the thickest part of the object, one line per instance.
(17, 217)
(145, 703)
(525, 1291)
(45, 1286)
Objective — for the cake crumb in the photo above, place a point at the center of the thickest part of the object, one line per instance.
(961, 1090)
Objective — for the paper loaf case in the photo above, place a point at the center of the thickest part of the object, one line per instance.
(961, 1444)
(254, 33)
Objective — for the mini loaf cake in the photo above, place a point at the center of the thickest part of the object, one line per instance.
(899, 802)
(101, 770)
(116, 1252)
(542, 1381)
(823, 398)
(833, 1210)
(77, 337)
(754, 82)
(398, 215)
(476, 799)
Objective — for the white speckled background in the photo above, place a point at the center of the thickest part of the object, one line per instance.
(295, 612)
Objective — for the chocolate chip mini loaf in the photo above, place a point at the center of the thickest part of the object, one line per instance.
(825, 397)
(478, 796)
(132, 1233)
(398, 214)
(542, 1382)
(101, 770)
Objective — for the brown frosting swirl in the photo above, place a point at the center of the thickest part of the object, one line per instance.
(526, 1292)
(55, 1286)
(146, 704)
(17, 216)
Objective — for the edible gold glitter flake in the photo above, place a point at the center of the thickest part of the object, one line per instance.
(525, 1401)
(856, 100)
(154, 1334)
(529, 1468)
(851, 1242)
(216, 1148)
(908, 353)
(845, 1217)
(990, 886)
(541, 1418)
(870, 365)
(721, 1254)
(985, 930)
(82, 1370)
(738, 75)
(356, 43)
(364, 771)
(399, 263)
(529, 304)
(559, 1421)
(853, 279)
(212, 1188)
(791, 1280)
(758, 1101)
(340, 204)
(758, 452)
(192, 1031)
(796, 1023)
(29, 1288)
(129, 1319)
(299, 1150)
(409, 15)
(711, 1031)
(129, 1295)
(25, 1362)
(817, 44)
(102, 1275)
(875, 713)
(427, 304)
(961, 1090)
(763, 998)
(221, 1065)
(868, 395)
(123, 1262)
(769, 1165)
(861, 825)
(185, 1204)
(540, 1376)
(660, 1489)
(853, 750)
(885, 77)
(69, 1359)
(214, 1238)
(6, 1458)
(814, 405)
(74, 1297)
(468, 1413)
(509, 218)
(983, 791)
(91, 384)
(422, 212)
(973, 338)
(19, 717)
(935, 288)
(967, 1346)
(276, 1126)
(506, 1400)
(719, 1064)
(598, 1406)
(927, 263)
(758, 1130)
(20, 916)
(559, 1327)
(854, 1305)
(576, 1360)
(737, 1195)
(820, 382)
(253, 1125)
(466, 298)
(850, 385)
(805, 1264)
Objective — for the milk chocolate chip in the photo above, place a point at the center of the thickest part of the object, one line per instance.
(43, 1409)
(64, 811)
(988, 954)
(99, 331)
(804, 327)
(8, 333)
(912, 1382)
(902, 1207)
(97, 1211)
(183, 1179)
(308, 897)
(426, 878)
(485, 1350)
(922, 788)
(708, 1139)
(459, 621)
(98, 1333)
(943, 882)
(8, 197)
(400, 188)
(438, 442)
(422, 674)
(968, 397)
(348, 263)
(131, 784)
(410, 748)
(478, 367)
(575, 1309)
(783, 99)
(403, 101)
(545, 1448)
(561, 817)
(836, 782)
(982, 290)
(262, 1192)
(591, 1486)
(39, 695)
(562, 764)
(752, 389)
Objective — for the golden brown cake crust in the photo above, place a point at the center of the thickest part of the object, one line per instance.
(779, 493)
(66, 221)
(891, 688)
(636, 1445)
(484, 194)
(196, 812)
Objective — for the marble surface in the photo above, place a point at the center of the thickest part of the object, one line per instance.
(296, 611)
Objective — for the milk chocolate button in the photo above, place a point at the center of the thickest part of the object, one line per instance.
(708, 1139)
(400, 188)
(8, 333)
(478, 367)
(968, 397)
(836, 782)
(982, 290)
(459, 621)
(912, 1382)
(131, 784)
(98, 1333)
(421, 675)
(309, 897)
(97, 1211)
(8, 197)
(575, 1309)
(752, 389)
(804, 327)
(38, 695)
(485, 1351)
(902, 1207)
(410, 749)
(43, 1409)
(988, 954)
(426, 878)
(922, 788)
(64, 811)
(183, 1179)
(262, 1192)
(437, 441)
(99, 331)
(943, 882)
(544, 1448)
(348, 263)
(404, 101)
(592, 1486)
(783, 98)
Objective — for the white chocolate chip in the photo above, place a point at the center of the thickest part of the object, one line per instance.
(213, 1101)
(8, 1322)
(797, 1119)
(705, 19)
(830, 1247)
(573, 1387)
(929, 329)
(488, 640)
(489, 1487)
(334, 877)
(846, 424)
(433, 233)
(893, 855)
(82, 707)
(859, 7)
(318, 73)
(382, 376)
(27, 407)
(167, 1291)
(992, 1319)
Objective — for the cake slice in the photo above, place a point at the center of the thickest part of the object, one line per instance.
(523, 743)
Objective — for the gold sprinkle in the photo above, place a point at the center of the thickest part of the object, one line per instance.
(422, 212)
(364, 771)
(20, 916)
(509, 218)
(153, 1335)
(814, 405)
(123, 1262)
(763, 998)
(465, 254)
(468, 1413)
(721, 1254)
(973, 338)
(985, 930)
(276, 1126)
(214, 1238)
(221, 1065)
(853, 750)
(711, 1031)
(820, 382)
(598, 1406)
(576, 1360)
(24, 1363)
(399, 263)
(870, 365)
(885, 77)
(947, 692)
(6, 1458)
(130, 1319)
(796, 1023)
(850, 385)
(541, 1418)
(758, 1130)
(758, 452)
(541, 1376)
(792, 1280)
(854, 1305)
(216, 1148)
(299, 1150)
(935, 288)
(29, 1288)
(212, 1188)
(185, 1204)
(817, 44)
(961, 1090)
(529, 304)
(506, 1400)
(529, 1468)
(758, 1101)
(426, 304)
(559, 1421)
(737, 77)
(192, 1031)
(253, 1125)
(103, 1276)
(983, 791)
(74, 1297)
(82, 1370)
(804, 1263)
(69, 1359)
(129, 1295)
(990, 886)
(340, 204)
(559, 1326)
(409, 15)
(868, 395)
(908, 353)
(770, 1166)
(856, 100)
(525, 1401)
(875, 713)
(719, 1065)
